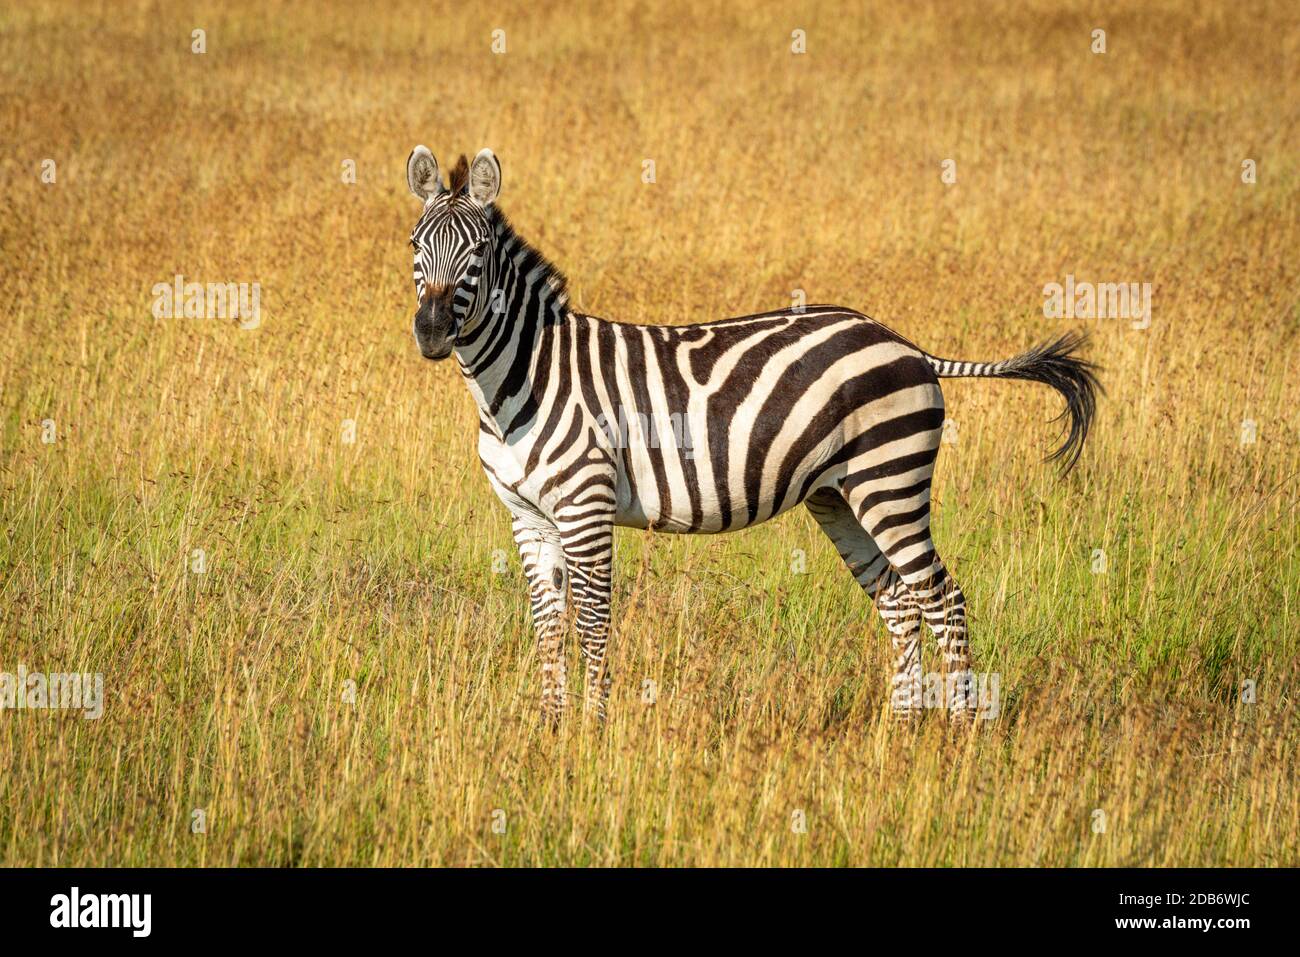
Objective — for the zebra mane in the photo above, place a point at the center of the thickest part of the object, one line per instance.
(459, 176)
(531, 260)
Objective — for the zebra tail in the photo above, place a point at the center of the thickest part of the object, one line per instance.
(1055, 364)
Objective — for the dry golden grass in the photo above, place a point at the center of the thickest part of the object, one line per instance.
(374, 562)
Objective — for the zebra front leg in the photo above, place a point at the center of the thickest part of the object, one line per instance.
(588, 552)
(544, 566)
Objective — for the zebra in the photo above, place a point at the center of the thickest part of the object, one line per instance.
(819, 405)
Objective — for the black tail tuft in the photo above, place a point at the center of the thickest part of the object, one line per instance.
(1055, 364)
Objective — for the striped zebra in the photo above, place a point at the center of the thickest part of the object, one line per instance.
(585, 424)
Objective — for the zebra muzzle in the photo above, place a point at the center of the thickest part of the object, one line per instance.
(435, 322)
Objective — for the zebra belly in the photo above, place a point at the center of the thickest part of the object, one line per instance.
(631, 513)
(691, 489)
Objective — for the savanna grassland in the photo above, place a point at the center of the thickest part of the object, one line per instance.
(324, 644)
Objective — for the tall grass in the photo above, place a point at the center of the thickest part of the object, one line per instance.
(748, 696)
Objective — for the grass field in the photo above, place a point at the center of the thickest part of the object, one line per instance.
(323, 645)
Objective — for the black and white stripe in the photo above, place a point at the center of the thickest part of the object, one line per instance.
(586, 424)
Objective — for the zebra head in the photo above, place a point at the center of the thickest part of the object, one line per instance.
(451, 241)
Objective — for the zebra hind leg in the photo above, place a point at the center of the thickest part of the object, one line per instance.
(892, 598)
(944, 607)
(898, 519)
(903, 619)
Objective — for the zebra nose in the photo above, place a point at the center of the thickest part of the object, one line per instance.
(424, 320)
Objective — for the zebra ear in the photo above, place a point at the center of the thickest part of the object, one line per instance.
(422, 173)
(485, 177)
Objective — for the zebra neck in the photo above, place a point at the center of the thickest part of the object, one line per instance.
(504, 355)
